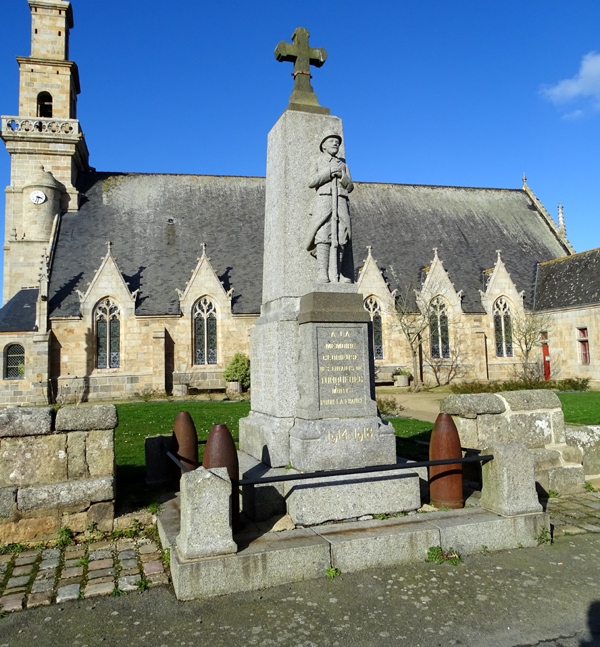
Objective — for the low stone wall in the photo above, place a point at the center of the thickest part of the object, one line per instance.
(56, 470)
(586, 439)
(533, 418)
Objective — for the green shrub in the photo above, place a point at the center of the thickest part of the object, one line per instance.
(389, 406)
(570, 384)
(238, 370)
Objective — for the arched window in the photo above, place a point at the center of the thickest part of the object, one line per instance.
(438, 329)
(44, 104)
(205, 332)
(374, 310)
(503, 328)
(14, 362)
(108, 334)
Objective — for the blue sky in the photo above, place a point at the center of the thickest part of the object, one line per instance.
(458, 92)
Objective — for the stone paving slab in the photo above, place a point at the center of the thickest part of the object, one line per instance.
(91, 569)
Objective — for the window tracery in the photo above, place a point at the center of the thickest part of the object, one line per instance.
(205, 332)
(107, 319)
(438, 329)
(374, 309)
(503, 334)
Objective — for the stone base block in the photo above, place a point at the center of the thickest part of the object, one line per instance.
(468, 532)
(261, 502)
(24, 530)
(270, 560)
(360, 545)
(341, 443)
(569, 479)
(334, 498)
(266, 438)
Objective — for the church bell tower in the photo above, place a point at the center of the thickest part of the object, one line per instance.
(46, 145)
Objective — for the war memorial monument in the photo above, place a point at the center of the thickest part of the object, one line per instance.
(313, 403)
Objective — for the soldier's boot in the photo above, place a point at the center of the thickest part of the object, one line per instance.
(323, 262)
(343, 279)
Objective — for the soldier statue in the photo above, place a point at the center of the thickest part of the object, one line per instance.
(330, 230)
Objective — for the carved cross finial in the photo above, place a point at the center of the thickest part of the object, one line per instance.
(302, 56)
(435, 253)
(524, 178)
(109, 246)
(203, 245)
(498, 251)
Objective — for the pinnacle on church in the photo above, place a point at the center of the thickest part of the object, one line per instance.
(302, 56)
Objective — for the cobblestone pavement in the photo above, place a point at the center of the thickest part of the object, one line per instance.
(41, 577)
(36, 578)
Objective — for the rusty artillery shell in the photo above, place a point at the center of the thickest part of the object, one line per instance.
(220, 451)
(184, 442)
(445, 481)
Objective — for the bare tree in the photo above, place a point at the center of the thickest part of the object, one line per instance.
(446, 369)
(527, 329)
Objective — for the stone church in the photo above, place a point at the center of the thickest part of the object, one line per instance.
(118, 284)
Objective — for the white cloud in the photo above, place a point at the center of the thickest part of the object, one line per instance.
(584, 85)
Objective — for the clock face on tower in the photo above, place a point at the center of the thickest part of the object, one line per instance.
(37, 197)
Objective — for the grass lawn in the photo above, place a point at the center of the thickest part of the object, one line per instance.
(581, 408)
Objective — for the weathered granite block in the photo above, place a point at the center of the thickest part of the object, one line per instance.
(558, 427)
(64, 494)
(25, 422)
(545, 459)
(28, 529)
(102, 514)
(30, 460)
(531, 400)
(356, 546)
(509, 480)
(86, 417)
(569, 479)
(100, 452)
(492, 428)
(341, 444)
(333, 498)
(587, 439)
(531, 429)
(270, 560)
(472, 405)
(8, 496)
(266, 438)
(205, 500)
(468, 533)
(467, 431)
(76, 465)
(261, 502)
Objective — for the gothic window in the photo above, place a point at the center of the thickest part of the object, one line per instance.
(108, 334)
(44, 104)
(438, 329)
(205, 332)
(374, 310)
(503, 328)
(14, 365)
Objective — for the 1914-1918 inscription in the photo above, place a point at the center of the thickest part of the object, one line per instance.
(342, 366)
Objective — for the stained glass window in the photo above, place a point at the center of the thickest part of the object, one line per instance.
(108, 334)
(205, 332)
(503, 328)
(374, 310)
(438, 329)
(15, 362)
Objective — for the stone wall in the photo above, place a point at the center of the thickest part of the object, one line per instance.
(56, 470)
(532, 418)
(32, 387)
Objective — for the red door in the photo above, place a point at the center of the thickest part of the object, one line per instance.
(546, 356)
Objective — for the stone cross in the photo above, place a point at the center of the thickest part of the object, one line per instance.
(302, 56)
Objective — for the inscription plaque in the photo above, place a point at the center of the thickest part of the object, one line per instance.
(342, 367)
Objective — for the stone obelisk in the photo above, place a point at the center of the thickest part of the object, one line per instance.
(312, 368)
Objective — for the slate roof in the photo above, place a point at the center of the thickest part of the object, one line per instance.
(569, 282)
(157, 224)
(18, 314)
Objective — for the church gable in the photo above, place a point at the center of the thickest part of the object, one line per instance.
(371, 283)
(437, 284)
(205, 282)
(107, 282)
(500, 284)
